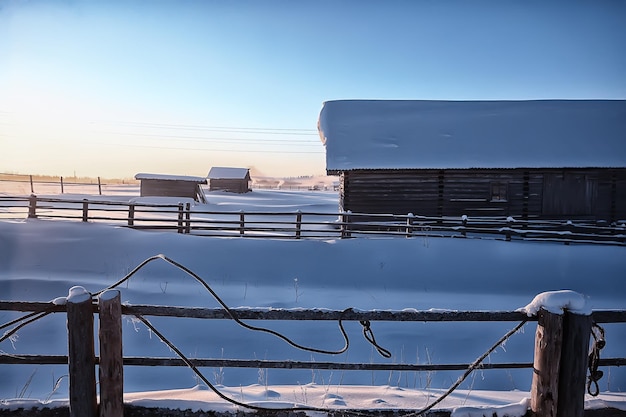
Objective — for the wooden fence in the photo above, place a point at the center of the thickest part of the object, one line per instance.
(58, 184)
(560, 363)
(184, 218)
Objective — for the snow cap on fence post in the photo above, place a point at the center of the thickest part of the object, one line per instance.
(557, 302)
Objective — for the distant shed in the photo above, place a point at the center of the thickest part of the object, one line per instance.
(159, 185)
(234, 180)
(542, 159)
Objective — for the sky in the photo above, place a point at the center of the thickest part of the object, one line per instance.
(114, 88)
(40, 260)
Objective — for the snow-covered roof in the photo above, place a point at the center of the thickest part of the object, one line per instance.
(228, 173)
(165, 177)
(414, 134)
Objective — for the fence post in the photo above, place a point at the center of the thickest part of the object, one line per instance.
(464, 223)
(32, 206)
(32, 189)
(560, 364)
(85, 209)
(180, 218)
(187, 218)
(509, 226)
(111, 369)
(99, 187)
(298, 224)
(131, 214)
(242, 224)
(61, 185)
(83, 402)
(409, 225)
(345, 228)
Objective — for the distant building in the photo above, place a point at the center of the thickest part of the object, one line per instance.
(546, 159)
(159, 185)
(234, 180)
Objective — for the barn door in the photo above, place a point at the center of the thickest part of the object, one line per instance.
(569, 194)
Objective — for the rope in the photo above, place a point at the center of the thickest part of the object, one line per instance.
(475, 365)
(25, 320)
(226, 398)
(369, 335)
(594, 360)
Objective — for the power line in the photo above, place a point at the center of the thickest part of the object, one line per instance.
(208, 149)
(213, 139)
(237, 129)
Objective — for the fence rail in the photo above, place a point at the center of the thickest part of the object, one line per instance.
(542, 403)
(185, 218)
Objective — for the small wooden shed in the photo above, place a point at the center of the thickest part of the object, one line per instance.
(160, 185)
(543, 159)
(234, 180)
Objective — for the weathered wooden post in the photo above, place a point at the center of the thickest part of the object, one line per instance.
(83, 402)
(32, 206)
(242, 224)
(32, 189)
(131, 214)
(464, 224)
(509, 226)
(187, 218)
(298, 224)
(409, 225)
(345, 224)
(99, 187)
(560, 364)
(61, 185)
(85, 210)
(180, 218)
(111, 369)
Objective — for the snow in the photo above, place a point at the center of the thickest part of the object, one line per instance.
(167, 177)
(518, 409)
(78, 294)
(420, 134)
(228, 173)
(40, 260)
(557, 302)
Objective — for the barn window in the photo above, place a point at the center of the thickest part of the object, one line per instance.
(499, 191)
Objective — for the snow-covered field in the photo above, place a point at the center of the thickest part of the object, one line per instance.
(40, 260)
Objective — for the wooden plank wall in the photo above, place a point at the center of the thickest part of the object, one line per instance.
(457, 192)
(232, 185)
(167, 188)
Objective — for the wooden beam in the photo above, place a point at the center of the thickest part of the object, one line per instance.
(111, 370)
(83, 402)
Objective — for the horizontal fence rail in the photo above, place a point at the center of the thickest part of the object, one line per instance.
(599, 316)
(188, 219)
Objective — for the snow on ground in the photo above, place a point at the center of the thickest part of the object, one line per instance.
(41, 260)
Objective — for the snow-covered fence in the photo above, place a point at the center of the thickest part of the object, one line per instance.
(560, 363)
(197, 220)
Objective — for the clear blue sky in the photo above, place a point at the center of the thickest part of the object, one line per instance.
(112, 88)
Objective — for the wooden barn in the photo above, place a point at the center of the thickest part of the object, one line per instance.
(159, 185)
(234, 180)
(540, 159)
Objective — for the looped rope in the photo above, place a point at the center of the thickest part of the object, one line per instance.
(594, 360)
(369, 336)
